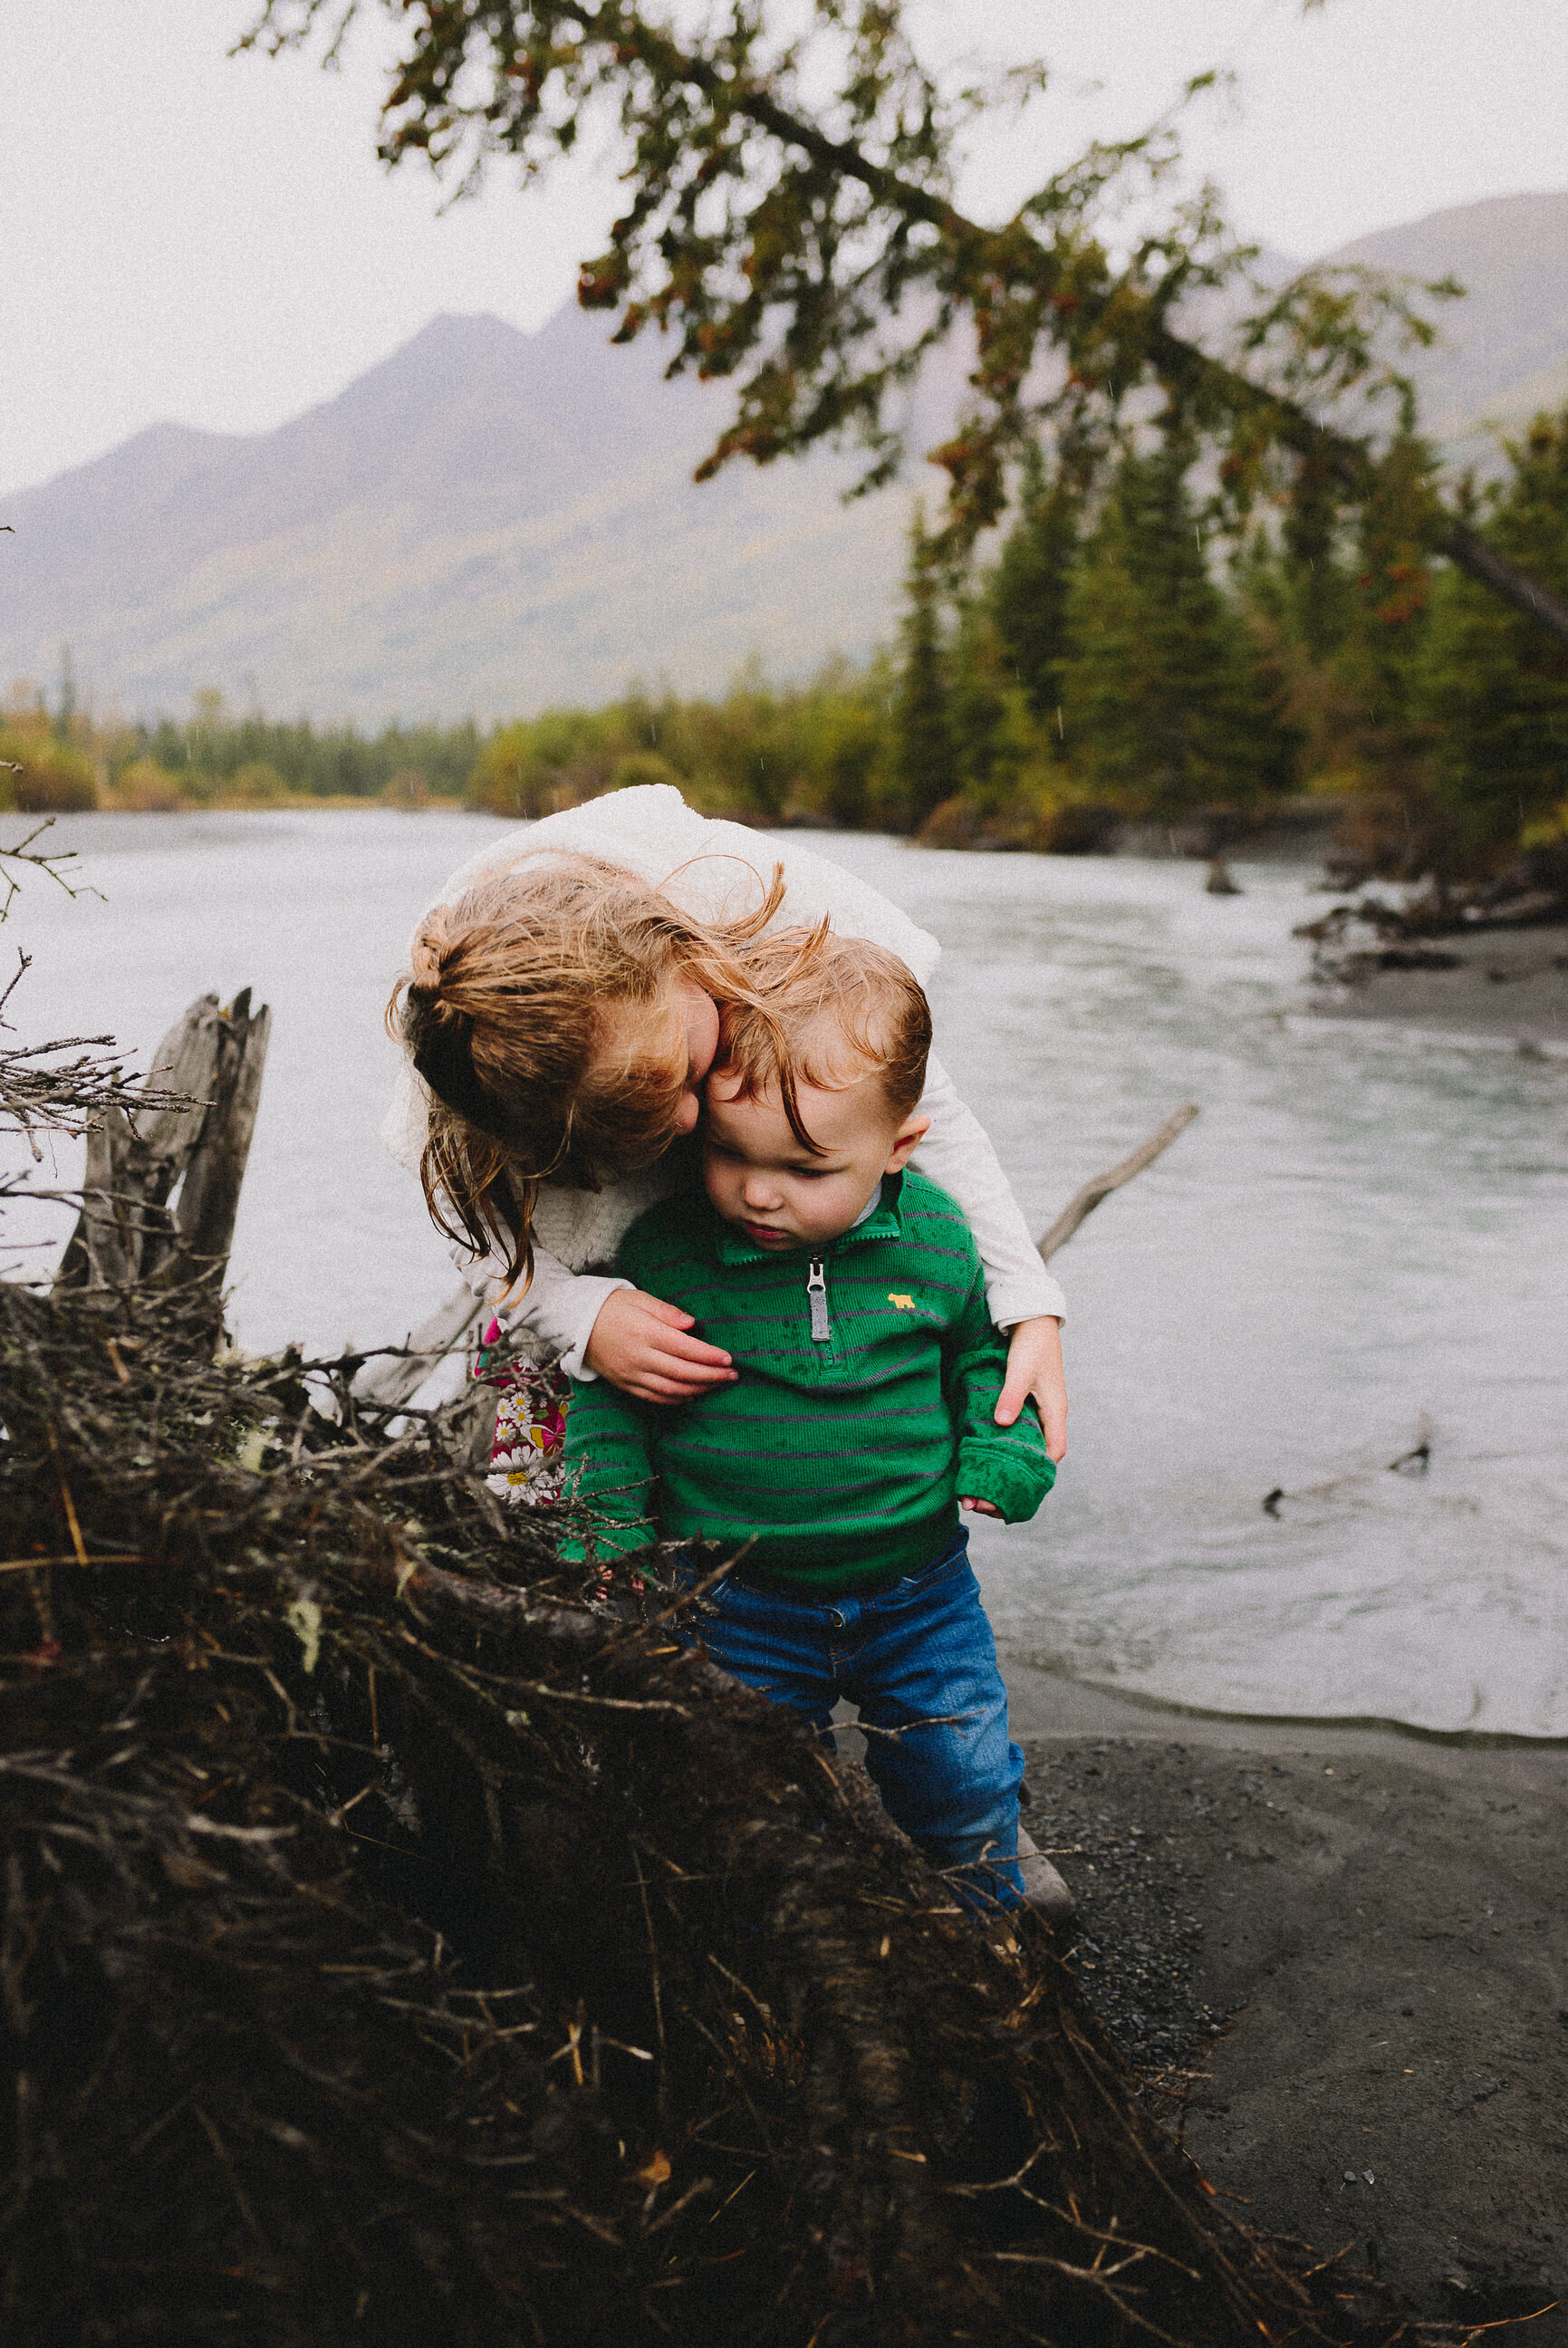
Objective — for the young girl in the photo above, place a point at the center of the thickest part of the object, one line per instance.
(561, 1012)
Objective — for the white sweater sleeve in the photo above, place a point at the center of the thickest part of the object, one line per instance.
(957, 1153)
(555, 1317)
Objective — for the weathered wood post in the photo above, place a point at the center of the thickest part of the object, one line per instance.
(127, 1232)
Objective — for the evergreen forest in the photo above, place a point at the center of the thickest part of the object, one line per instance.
(1109, 661)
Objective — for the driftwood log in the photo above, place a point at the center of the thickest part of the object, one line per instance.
(133, 1231)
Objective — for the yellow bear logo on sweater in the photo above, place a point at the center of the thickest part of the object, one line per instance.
(904, 1303)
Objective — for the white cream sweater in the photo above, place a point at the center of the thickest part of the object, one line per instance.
(710, 867)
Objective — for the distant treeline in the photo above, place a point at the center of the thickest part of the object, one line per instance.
(1109, 664)
(57, 758)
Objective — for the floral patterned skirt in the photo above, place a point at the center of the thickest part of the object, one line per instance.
(528, 1461)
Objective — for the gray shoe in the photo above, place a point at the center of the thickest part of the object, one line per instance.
(1044, 1889)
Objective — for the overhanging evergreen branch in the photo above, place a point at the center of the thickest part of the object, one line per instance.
(741, 234)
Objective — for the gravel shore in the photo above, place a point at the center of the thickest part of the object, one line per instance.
(1507, 985)
(1340, 1955)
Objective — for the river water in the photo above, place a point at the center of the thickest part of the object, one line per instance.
(1357, 1246)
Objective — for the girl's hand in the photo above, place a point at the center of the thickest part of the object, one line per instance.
(980, 1508)
(637, 1343)
(1035, 1367)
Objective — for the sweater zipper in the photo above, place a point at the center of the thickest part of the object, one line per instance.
(817, 1297)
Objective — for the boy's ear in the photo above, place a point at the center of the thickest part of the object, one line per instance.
(906, 1142)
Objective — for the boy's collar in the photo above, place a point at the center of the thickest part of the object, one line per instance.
(880, 1222)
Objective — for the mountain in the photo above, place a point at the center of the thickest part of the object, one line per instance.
(487, 522)
(491, 521)
(1502, 352)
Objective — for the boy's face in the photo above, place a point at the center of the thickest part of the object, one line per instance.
(761, 1179)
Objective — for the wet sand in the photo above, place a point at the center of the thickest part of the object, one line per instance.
(1503, 986)
(1349, 1949)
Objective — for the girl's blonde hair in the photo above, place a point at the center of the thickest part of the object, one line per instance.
(827, 1012)
(513, 1012)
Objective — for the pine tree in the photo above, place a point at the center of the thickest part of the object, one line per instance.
(1163, 710)
(1494, 684)
(977, 696)
(925, 761)
(1393, 584)
(1345, 719)
(66, 713)
(1319, 594)
(1030, 586)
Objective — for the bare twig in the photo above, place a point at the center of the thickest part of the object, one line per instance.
(396, 1371)
(24, 855)
(39, 1092)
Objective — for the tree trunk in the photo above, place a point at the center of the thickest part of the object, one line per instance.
(1471, 553)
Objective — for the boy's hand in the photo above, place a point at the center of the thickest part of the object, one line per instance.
(980, 1508)
(637, 1343)
(1035, 1367)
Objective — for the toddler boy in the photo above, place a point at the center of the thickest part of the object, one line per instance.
(849, 1294)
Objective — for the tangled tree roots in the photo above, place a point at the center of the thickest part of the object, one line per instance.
(398, 1951)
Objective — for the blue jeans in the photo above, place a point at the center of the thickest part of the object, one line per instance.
(919, 1660)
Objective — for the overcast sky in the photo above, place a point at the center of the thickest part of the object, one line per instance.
(189, 235)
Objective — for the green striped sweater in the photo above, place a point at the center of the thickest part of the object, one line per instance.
(868, 1372)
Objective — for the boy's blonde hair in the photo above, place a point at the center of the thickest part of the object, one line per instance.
(513, 1012)
(827, 1012)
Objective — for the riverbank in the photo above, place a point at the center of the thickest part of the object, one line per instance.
(1508, 986)
(1344, 1947)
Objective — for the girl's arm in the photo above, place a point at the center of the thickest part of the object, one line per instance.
(597, 1325)
(1020, 1293)
(957, 1153)
(555, 1315)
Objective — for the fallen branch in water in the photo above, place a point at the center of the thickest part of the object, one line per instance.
(1080, 1208)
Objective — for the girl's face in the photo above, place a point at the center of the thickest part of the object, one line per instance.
(698, 1034)
(672, 1040)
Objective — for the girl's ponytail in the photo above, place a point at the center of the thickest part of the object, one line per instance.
(438, 1027)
